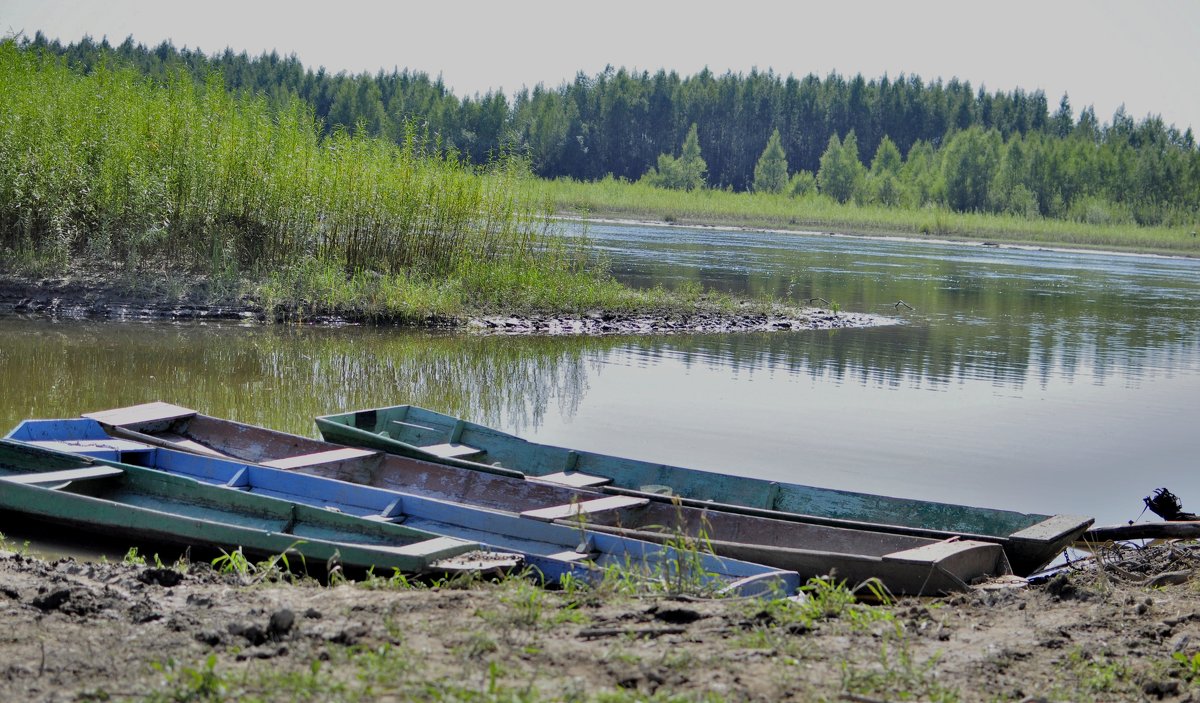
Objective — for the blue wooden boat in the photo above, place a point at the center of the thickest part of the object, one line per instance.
(553, 549)
(1030, 540)
(141, 504)
(904, 563)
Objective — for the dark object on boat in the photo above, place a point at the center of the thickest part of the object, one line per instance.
(1030, 540)
(905, 563)
(1167, 506)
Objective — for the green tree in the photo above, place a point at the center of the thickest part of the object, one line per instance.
(771, 171)
(840, 170)
(684, 173)
(969, 163)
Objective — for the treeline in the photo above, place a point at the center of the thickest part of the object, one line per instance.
(954, 146)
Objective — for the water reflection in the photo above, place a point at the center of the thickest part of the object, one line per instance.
(992, 314)
(284, 376)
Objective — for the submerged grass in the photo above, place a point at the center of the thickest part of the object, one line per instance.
(615, 198)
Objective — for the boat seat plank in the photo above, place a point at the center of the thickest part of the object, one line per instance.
(415, 426)
(83, 474)
(586, 507)
(570, 556)
(452, 451)
(318, 458)
(138, 414)
(575, 479)
(938, 551)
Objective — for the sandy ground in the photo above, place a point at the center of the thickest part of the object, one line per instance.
(1125, 627)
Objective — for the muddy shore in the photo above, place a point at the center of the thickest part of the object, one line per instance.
(94, 297)
(1124, 628)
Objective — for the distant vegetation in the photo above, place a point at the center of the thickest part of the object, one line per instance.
(893, 143)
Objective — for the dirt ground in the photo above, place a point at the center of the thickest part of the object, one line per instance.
(1123, 627)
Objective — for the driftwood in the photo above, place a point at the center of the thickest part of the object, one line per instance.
(1167, 506)
(1143, 530)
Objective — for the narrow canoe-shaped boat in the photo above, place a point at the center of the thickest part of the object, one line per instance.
(904, 563)
(1030, 540)
(554, 550)
(136, 503)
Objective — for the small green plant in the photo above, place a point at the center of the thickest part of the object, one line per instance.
(898, 675)
(1098, 674)
(1189, 666)
(190, 684)
(234, 562)
(133, 558)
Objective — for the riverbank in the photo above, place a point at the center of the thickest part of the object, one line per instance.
(1124, 629)
(88, 295)
(618, 200)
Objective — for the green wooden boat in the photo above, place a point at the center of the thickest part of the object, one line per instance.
(1030, 540)
(131, 502)
(904, 564)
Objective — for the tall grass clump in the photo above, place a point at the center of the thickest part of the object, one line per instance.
(112, 167)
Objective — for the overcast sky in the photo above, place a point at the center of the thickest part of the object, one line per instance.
(1103, 53)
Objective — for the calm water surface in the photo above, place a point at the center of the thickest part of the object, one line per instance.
(1031, 380)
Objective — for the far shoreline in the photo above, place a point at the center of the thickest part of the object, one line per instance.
(850, 233)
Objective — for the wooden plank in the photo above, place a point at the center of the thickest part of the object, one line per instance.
(415, 426)
(1054, 528)
(318, 458)
(574, 479)
(586, 507)
(570, 556)
(84, 474)
(937, 552)
(138, 414)
(452, 451)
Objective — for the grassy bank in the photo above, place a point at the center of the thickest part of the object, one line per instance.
(189, 192)
(620, 199)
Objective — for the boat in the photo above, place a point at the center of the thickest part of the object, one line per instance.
(554, 550)
(1030, 540)
(136, 503)
(904, 564)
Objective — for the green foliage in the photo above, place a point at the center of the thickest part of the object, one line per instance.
(841, 171)
(802, 183)
(683, 173)
(771, 171)
(619, 122)
(171, 176)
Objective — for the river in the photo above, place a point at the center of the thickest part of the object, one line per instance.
(1032, 380)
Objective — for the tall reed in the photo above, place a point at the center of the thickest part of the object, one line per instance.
(111, 166)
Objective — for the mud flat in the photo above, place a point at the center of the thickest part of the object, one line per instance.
(1124, 627)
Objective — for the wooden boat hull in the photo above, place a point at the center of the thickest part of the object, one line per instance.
(140, 503)
(814, 549)
(553, 549)
(1029, 540)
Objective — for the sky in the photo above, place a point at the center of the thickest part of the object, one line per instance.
(1104, 53)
